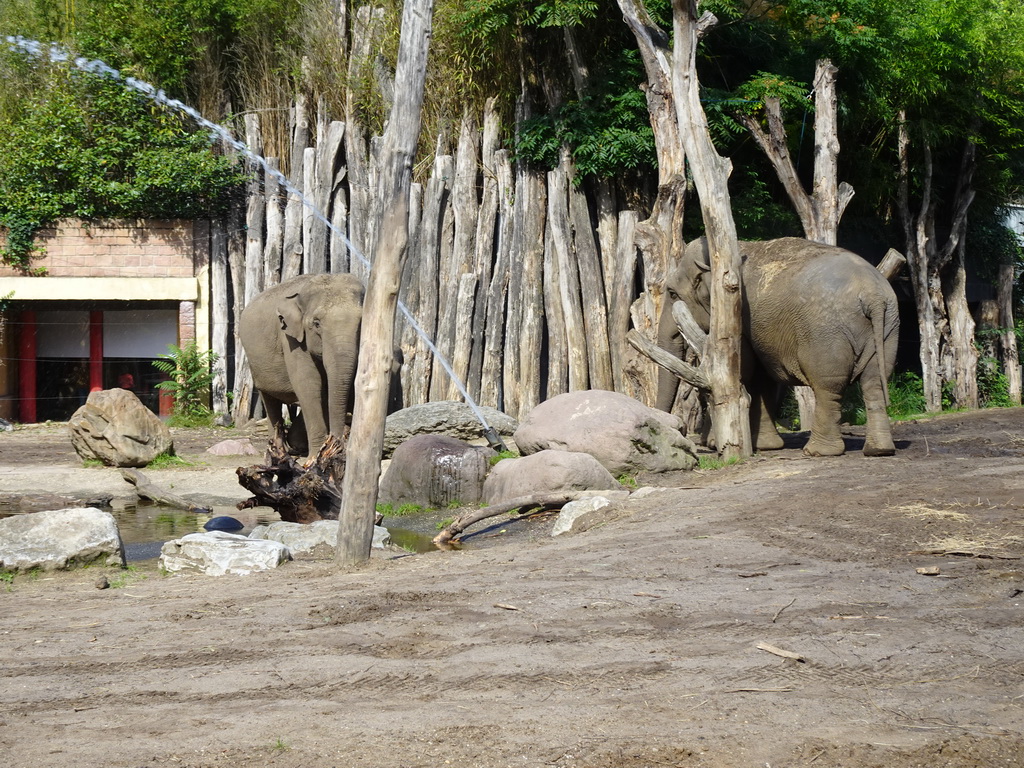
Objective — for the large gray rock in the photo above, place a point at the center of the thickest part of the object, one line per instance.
(116, 428)
(546, 472)
(435, 471)
(313, 540)
(59, 539)
(217, 553)
(445, 417)
(622, 433)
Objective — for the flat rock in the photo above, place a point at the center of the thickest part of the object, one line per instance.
(217, 553)
(312, 540)
(60, 539)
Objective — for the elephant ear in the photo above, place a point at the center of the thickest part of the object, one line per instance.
(289, 313)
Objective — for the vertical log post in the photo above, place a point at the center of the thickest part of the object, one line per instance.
(711, 171)
(376, 353)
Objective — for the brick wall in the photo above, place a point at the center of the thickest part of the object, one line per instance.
(116, 248)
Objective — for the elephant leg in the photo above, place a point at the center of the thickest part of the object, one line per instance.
(763, 432)
(826, 439)
(273, 407)
(878, 434)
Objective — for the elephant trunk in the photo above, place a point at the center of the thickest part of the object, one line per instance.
(671, 340)
(340, 367)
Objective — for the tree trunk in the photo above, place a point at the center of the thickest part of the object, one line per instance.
(376, 354)
(1007, 336)
(962, 365)
(219, 320)
(730, 403)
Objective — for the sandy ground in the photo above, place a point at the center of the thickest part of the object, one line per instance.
(640, 642)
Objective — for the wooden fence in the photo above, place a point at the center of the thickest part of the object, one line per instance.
(525, 283)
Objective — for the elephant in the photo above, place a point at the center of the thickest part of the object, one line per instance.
(302, 340)
(813, 314)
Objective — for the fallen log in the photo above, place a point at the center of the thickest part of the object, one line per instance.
(299, 494)
(146, 490)
(525, 505)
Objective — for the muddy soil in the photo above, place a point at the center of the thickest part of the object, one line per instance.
(787, 611)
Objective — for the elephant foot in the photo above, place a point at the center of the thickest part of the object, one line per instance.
(771, 442)
(818, 447)
(879, 449)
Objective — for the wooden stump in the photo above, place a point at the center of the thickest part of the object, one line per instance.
(299, 494)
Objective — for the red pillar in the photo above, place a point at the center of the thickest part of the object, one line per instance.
(95, 351)
(27, 367)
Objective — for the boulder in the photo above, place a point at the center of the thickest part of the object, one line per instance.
(312, 540)
(574, 514)
(116, 428)
(435, 471)
(546, 472)
(623, 434)
(233, 447)
(60, 539)
(217, 553)
(444, 417)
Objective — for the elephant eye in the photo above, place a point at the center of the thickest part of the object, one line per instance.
(316, 324)
(673, 295)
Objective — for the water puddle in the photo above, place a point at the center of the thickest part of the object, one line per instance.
(145, 527)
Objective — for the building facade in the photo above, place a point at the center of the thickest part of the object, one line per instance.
(114, 295)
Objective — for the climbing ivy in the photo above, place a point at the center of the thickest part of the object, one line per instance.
(87, 147)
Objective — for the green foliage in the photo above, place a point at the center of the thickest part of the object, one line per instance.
(851, 406)
(607, 131)
(627, 480)
(88, 147)
(191, 375)
(502, 455)
(993, 385)
(906, 395)
(168, 460)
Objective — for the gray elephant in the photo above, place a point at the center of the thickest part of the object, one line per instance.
(813, 314)
(302, 341)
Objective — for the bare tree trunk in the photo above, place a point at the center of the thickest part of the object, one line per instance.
(659, 237)
(376, 354)
(730, 403)
(1008, 337)
(273, 246)
(292, 254)
(491, 380)
(962, 364)
(595, 306)
(219, 319)
(531, 329)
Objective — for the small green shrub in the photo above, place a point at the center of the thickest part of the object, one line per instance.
(906, 395)
(442, 524)
(191, 376)
(503, 455)
(993, 386)
(627, 480)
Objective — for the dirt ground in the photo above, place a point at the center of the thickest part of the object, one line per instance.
(651, 639)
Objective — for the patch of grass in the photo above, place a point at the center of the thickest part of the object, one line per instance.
(389, 510)
(7, 578)
(503, 455)
(627, 480)
(707, 462)
(442, 524)
(280, 745)
(190, 420)
(128, 574)
(168, 460)
(92, 463)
